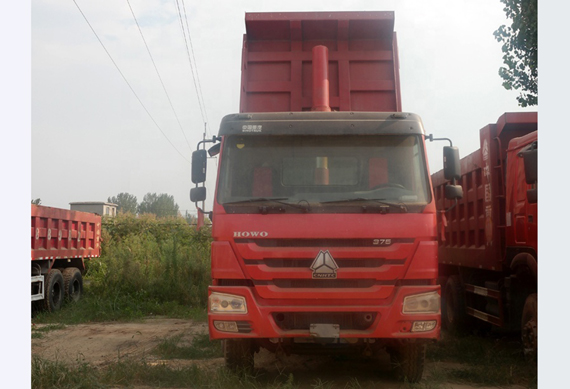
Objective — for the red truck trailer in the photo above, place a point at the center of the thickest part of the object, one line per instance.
(61, 240)
(488, 245)
(324, 221)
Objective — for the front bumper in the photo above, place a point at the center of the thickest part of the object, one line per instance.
(378, 319)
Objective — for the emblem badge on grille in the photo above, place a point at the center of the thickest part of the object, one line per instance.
(324, 265)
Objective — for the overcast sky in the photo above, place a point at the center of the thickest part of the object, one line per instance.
(91, 138)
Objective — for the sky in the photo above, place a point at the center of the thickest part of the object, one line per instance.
(72, 129)
(91, 137)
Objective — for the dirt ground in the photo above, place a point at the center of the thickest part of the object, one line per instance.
(102, 343)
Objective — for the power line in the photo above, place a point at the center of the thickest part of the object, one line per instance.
(200, 102)
(195, 65)
(124, 78)
(158, 74)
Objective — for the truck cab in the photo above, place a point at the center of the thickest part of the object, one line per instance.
(324, 219)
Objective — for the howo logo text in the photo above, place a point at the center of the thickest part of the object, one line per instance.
(250, 234)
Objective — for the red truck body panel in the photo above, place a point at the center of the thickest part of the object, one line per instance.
(480, 228)
(363, 64)
(61, 233)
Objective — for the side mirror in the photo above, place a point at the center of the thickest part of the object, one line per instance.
(199, 160)
(214, 150)
(451, 164)
(198, 194)
(530, 158)
(453, 192)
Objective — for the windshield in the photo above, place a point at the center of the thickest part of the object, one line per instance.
(323, 173)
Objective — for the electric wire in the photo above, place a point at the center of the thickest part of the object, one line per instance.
(129, 85)
(190, 62)
(158, 74)
(196, 67)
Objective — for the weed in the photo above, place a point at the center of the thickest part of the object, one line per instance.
(319, 384)
(492, 360)
(49, 374)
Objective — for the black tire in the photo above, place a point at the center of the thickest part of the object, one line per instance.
(453, 315)
(53, 295)
(529, 326)
(408, 361)
(73, 284)
(238, 354)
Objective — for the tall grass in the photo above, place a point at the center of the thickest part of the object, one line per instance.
(148, 266)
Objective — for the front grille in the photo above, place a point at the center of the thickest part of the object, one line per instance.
(319, 243)
(306, 262)
(303, 320)
(320, 283)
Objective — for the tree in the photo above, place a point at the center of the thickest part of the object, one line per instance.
(162, 205)
(520, 48)
(37, 201)
(126, 202)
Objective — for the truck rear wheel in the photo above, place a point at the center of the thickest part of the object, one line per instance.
(73, 283)
(408, 361)
(529, 326)
(53, 296)
(453, 315)
(238, 354)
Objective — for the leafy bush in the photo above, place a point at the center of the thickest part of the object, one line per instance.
(146, 258)
(148, 266)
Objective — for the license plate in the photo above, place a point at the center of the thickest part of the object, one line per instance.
(325, 330)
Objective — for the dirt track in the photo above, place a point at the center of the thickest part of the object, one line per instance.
(102, 343)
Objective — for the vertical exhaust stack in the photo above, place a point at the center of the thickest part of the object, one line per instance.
(321, 79)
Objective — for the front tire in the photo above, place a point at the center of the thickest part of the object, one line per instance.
(408, 361)
(53, 296)
(238, 354)
(529, 326)
(453, 315)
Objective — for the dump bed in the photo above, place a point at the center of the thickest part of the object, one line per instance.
(475, 232)
(277, 61)
(61, 233)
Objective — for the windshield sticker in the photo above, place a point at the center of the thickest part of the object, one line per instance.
(251, 128)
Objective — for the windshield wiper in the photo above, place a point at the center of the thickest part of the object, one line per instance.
(278, 200)
(400, 206)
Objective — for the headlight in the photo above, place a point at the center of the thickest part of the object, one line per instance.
(227, 303)
(421, 303)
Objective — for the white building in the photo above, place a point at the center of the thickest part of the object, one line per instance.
(98, 207)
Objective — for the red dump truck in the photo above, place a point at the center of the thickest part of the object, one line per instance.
(324, 221)
(488, 242)
(61, 240)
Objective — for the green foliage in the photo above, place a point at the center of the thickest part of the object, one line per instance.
(162, 205)
(127, 203)
(130, 373)
(54, 374)
(148, 266)
(37, 201)
(484, 361)
(153, 259)
(520, 50)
